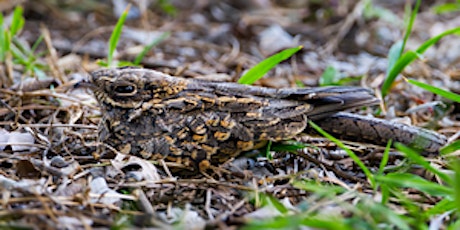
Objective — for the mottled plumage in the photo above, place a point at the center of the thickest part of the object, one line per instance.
(197, 123)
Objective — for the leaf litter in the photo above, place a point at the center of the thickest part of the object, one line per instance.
(52, 176)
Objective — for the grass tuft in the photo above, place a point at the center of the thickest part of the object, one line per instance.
(114, 38)
(408, 57)
(7, 34)
(397, 60)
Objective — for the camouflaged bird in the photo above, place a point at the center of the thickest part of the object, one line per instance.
(198, 123)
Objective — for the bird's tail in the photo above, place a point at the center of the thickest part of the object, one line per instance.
(365, 129)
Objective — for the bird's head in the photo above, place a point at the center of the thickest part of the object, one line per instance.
(129, 87)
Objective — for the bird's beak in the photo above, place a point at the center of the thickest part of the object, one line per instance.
(84, 84)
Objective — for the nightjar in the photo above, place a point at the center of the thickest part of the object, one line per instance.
(198, 123)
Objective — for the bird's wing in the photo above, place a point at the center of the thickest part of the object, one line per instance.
(317, 102)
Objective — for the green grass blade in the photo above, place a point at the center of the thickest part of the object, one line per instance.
(329, 77)
(372, 11)
(408, 180)
(116, 35)
(452, 147)
(122, 63)
(386, 156)
(275, 203)
(289, 146)
(352, 155)
(295, 221)
(323, 190)
(18, 21)
(383, 214)
(385, 191)
(398, 67)
(348, 80)
(17, 52)
(415, 157)
(102, 63)
(394, 54)
(325, 222)
(410, 56)
(430, 42)
(449, 95)
(146, 49)
(410, 24)
(4, 41)
(445, 205)
(268, 149)
(7, 44)
(36, 44)
(446, 8)
(455, 165)
(454, 226)
(167, 7)
(259, 70)
(37, 70)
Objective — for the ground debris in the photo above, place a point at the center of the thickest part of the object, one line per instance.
(53, 176)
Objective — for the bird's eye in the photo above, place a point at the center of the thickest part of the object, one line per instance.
(125, 89)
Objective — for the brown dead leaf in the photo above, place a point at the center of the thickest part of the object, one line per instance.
(25, 169)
